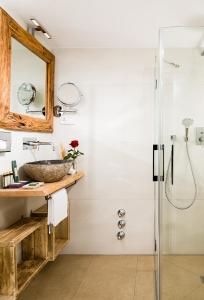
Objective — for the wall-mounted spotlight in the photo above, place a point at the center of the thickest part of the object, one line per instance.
(39, 28)
(35, 22)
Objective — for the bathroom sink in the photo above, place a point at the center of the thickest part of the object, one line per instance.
(47, 170)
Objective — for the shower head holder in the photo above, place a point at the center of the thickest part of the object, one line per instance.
(187, 122)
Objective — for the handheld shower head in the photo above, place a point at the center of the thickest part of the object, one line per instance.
(187, 122)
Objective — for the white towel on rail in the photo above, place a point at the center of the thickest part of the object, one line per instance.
(58, 207)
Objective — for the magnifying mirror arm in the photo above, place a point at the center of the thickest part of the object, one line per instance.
(58, 111)
(42, 111)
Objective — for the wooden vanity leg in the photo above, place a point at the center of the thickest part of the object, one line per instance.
(41, 241)
(8, 272)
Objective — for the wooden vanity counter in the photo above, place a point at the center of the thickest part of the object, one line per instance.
(43, 191)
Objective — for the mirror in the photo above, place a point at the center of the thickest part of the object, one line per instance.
(69, 94)
(26, 79)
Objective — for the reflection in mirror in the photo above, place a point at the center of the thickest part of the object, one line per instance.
(28, 81)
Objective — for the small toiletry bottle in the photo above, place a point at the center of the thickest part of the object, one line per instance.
(15, 172)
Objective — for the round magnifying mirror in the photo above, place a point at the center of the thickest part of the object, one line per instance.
(69, 94)
(26, 93)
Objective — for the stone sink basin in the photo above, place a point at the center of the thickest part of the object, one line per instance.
(47, 170)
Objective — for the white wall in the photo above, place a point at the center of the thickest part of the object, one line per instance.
(114, 125)
(117, 110)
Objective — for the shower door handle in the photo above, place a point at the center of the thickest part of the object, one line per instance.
(172, 164)
(155, 177)
(162, 177)
(155, 148)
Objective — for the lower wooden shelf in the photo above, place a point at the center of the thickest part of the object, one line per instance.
(31, 234)
(37, 245)
(27, 269)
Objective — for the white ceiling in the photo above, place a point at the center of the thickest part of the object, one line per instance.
(108, 23)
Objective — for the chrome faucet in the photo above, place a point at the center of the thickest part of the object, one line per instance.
(33, 143)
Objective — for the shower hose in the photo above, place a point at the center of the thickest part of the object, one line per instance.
(168, 180)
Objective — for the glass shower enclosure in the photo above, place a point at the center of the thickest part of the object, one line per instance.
(180, 177)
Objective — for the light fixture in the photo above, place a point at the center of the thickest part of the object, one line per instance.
(38, 27)
(47, 35)
(35, 22)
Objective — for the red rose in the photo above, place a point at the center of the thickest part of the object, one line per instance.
(74, 143)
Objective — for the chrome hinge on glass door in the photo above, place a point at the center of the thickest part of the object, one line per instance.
(156, 148)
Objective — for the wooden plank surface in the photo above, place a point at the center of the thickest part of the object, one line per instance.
(60, 235)
(45, 190)
(40, 211)
(19, 231)
(7, 297)
(7, 271)
(59, 245)
(32, 232)
(27, 270)
(2, 297)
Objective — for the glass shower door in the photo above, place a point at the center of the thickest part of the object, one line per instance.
(180, 194)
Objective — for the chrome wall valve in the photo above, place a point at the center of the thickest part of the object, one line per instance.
(121, 224)
(121, 213)
(120, 235)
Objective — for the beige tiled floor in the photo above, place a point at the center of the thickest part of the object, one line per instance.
(78, 277)
(94, 278)
(180, 277)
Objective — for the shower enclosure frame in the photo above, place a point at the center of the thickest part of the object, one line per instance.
(159, 164)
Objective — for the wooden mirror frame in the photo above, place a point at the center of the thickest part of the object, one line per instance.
(11, 120)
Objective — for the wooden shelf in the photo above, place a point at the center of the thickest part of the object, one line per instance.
(27, 270)
(45, 190)
(13, 235)
(31, 235)
(60, 235)
(40, 211)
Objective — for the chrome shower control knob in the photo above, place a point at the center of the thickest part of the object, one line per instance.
(121, 224)
(121, 213)
(120, 235)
